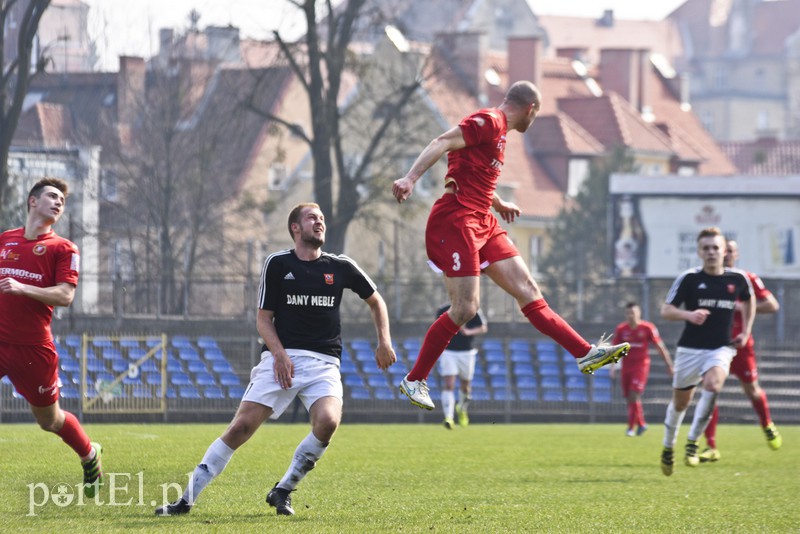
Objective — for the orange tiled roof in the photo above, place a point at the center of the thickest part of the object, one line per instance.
(765, 157)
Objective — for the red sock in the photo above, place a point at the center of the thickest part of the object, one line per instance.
(640, 414)
(631, 415)
(436, 340)
(73, 435)
(549, 323)
(762, 409)
(711, 429)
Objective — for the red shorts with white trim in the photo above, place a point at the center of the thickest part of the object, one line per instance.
(462, 242)
(634, 378)
(743, 364)
(33, 370)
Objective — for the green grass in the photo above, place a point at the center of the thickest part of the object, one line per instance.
(415, 478)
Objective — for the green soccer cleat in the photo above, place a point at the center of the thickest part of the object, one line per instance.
(667, 461)
(93, 472)
(602, 354)
(691, 459)
(463, 416)
(709, 455)
(449, 424)
(774, 439)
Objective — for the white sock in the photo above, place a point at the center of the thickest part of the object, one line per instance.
(702, 414)
(305, 458)
(463, 399)
(213, 463)
(672, 423)
(448, 403)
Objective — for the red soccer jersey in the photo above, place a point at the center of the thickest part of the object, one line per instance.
(761, 292)
(476, 167)
(43, 262)
(640, 338)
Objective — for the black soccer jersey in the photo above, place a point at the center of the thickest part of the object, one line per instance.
(305, 297)
(718, 294)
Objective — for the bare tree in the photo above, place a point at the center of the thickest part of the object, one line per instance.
(16, 75)
(342, 185)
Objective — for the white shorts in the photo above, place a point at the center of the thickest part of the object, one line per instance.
(313, 379)
(458, 362)
(692, 364)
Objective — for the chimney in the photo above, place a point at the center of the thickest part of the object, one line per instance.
(572, 52)
(466, 53)
(607, 20)
(625, 71)
(525, 59)
(130, 88)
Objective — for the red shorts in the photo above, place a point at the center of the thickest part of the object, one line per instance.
(461, 242)
(634, 378)
(743, 364)
(33, 370)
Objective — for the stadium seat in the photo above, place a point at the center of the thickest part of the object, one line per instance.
(503, 395)
(129, 343)
(153, 341)
(498, 381)
(577, 395)
(174, 366)
(95, 365)
(520, 356)
(412, 344)
(481, 394)
(348, 367)
(213, 355)
(601, 395)
(172, 393)
(528, 394)
(364, 356)
(228, 379)
(551, 382)
(547, 357)
(490, 343)
(111, 353)
(235, 392)
(549, 369)
(377, 381)
(143, 392)
(525, 381)
(180, 342)
(601, 382)
(353, 380)
(479, 381)
(523, 369)
(571, 368)
(496, 369)
(136, 353)
(361, 344)
(222, 367)
(73, 341)
(384, 393)
(149, 366)
(102, 342)
(494, 356)
(522, 345)
(360, 392)
(188, 392)
(213, 392)
(552, 395)
(205, 379)
(188, 353)
(207, 342)
(180, 379)
(577, 382)
(196, 366)
(71, 366)
(547, 345)
(70, 392)
(153, 379)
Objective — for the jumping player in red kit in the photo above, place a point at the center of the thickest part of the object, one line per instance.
(463, 238)
(744, 366)
(636, 365)
(39, 270)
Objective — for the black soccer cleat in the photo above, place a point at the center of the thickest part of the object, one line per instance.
(281, 500)
(178, 507)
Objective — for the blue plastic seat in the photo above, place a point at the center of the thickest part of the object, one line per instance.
(143, 392)
(207, 342)
(235, 392)
(522, 345)
(496, 369)
(376, 381)
(552, 395)
(95, 365)
(228, 379)
(111, 353)
(601, 395)
(481, 394)
(348, 367)
(549, 369)
(213, 392)
(577, 395)
(71, 366)
(490, 343)
(518, 356)
(361, 344)
(353, 380)
(73, 341)
(495, 356)
(551, 382)
(412, 344)
(524, 369)
(601, 382)
(153, 341)
(503, 395)
(498, 381)
(212, 354)
(180, 379)
(136, 353)
(174, 366)
(188, 392)
(384, 393)
(525, 381)
(188, 353)
(547, 357)
(479, 381)
(359, 392)
(70, 392)
(129, 343)
(222, 366)
(149, 366)
(364, 356)
(102, 342)
(528, 394)
(196, 366)
(153, 379)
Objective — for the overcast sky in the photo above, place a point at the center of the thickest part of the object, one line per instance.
(130, 27)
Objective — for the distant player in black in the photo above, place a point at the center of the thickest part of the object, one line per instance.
(705, 350)
(458, 359)
(298, 318)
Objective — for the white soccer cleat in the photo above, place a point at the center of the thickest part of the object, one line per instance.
(417, 392)
(602, 354)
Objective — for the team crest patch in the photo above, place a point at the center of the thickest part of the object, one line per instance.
(731, 288)
(328, 279)
(39, 249)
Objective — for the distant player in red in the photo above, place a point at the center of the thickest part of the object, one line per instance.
(39, 270)
(744, 365)
(636, 365)
(463, 238)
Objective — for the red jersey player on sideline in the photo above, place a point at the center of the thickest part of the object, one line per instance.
(636, 365)
(39, 270)
(744, 365)
(463, 238)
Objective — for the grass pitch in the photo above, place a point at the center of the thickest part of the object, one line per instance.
(409, 478)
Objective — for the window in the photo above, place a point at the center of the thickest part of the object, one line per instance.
(707, 118)
(535, 254)
(277, 176)
(578, 172)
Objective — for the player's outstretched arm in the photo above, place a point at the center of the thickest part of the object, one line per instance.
(452, 139)
(57, 295)
(384, 354)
